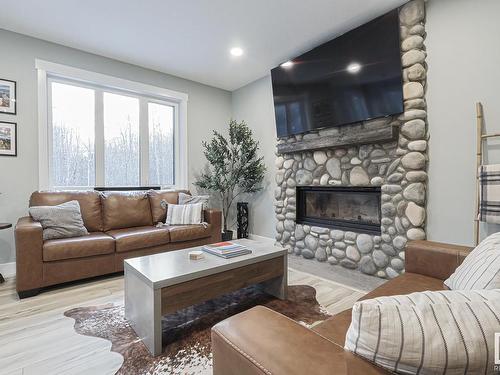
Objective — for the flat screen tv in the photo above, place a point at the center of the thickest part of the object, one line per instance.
(352, 78)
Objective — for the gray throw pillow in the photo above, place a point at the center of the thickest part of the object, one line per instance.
(61, 221)
(191, 199)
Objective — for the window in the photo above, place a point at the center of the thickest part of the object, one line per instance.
(109, 135)
(161, 144)
(73, 151)
(121, 140)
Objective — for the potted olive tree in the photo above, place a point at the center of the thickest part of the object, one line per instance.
(234, 168)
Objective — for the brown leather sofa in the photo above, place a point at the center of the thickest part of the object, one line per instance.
(121, 225)
(261, 341)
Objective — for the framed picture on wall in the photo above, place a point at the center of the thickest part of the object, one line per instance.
(8, 97)
(8, 138)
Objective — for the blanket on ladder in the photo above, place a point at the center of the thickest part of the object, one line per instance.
(489, 193)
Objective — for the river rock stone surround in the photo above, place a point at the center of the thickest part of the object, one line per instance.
(398, 167)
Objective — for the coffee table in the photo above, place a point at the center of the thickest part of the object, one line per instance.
(160, 284)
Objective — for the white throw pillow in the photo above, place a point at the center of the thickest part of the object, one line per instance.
(445, 332)
(184, 214)
(61, 221)
(480, 269)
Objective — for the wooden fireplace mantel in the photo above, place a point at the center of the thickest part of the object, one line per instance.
(379, 134)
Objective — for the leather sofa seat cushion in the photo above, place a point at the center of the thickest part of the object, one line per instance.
(90, 205)
(139, 238)
(335, 328)
(125, 210)
(180, 233)
(158, 212)
(405, 284)
(78, 247)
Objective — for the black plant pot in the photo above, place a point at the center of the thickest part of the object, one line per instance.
(227, 235)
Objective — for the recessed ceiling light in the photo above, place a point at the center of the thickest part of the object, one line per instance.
(287, 64)
(236, 51)
(354, 67)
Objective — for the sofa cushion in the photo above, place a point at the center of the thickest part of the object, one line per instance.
(125, 210)
(434, 259)
(90, 205)
(139, 237)
(427, 332)
(78, 247)
(159, 211)
(180, 233)
(481, 268)
(406, 283)
(336, 327)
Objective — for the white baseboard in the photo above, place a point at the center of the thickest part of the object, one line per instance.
(257, 237)
(8, 269)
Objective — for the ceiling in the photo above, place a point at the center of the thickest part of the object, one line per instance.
(192, 38)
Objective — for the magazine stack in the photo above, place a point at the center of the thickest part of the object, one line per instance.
(226, 249)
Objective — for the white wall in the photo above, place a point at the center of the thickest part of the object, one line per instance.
(253, 103)
(208, 108)
(464, 60)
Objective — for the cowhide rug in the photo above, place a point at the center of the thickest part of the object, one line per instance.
(186, 334)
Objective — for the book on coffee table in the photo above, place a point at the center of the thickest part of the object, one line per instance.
(226, 249)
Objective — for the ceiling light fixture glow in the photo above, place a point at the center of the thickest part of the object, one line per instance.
(353, 67)
(236, 51)
(287, 64)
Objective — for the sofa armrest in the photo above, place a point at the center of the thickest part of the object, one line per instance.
(29, 257)
(214, 218)
(434, 259)
(262, 341)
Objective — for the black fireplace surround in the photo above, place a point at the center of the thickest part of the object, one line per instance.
(355, 209)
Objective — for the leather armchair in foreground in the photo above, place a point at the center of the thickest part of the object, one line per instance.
(262, 341)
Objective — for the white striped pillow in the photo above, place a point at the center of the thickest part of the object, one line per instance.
(480, 269)
(184, 214)
(448, 332)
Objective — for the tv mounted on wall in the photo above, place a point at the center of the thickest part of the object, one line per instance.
(352, 78)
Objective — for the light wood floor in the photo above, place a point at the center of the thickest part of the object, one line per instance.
(36, 338)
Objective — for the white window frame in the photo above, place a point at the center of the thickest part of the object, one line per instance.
(48, 72)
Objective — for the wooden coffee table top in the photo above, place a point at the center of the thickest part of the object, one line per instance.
(5, 225)
(174, 267)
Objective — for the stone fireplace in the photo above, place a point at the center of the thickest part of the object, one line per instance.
(354, 195)
(340, 207)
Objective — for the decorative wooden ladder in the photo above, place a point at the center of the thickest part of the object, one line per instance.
(480, 138)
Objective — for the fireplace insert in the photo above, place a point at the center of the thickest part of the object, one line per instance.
(347, 208)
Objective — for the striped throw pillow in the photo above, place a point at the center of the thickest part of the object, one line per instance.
(184, 214)
(480, 269)
(446, 332)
